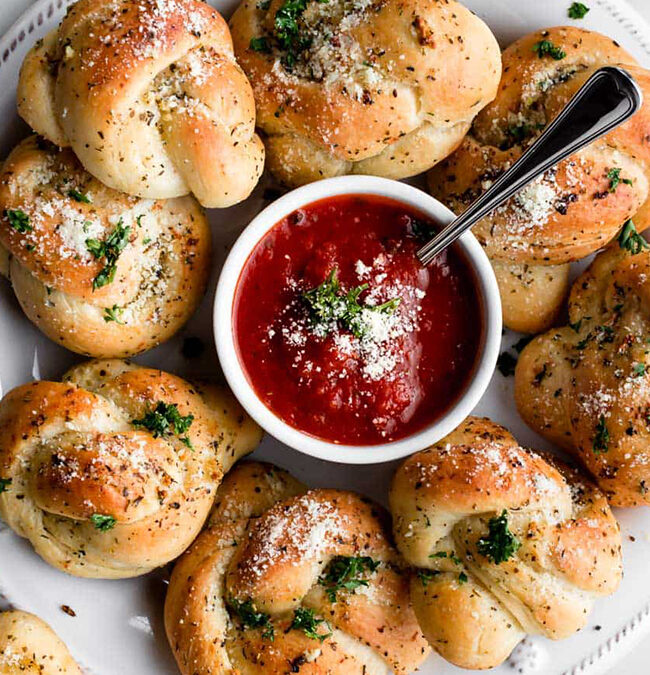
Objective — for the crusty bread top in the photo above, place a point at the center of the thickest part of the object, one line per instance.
(571, 211)
(28, 646)
(585, 385)
(375, 71)
(268, 543)
(149, 96)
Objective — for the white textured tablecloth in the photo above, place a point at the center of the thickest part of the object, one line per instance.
(638, 662)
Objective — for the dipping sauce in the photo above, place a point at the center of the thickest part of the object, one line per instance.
(343, 334)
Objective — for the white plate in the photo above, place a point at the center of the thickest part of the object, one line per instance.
(118, 629)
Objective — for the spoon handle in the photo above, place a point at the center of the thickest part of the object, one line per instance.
(606, 100)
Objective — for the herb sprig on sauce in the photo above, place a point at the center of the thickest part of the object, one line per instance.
(328, 306)
(500, 544)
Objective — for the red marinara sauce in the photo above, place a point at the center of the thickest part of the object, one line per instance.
(382, 348)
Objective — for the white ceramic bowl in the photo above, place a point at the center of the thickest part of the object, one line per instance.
(224, 337)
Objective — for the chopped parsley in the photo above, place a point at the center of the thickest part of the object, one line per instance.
(260, 44)
(251, 618)
(575, 327)
(602, 334)
(615, 179)
(578, 10)
(500, 544)
(109, 249)
(631, 240)
(462, 578)
(639, 369)
(328, 306)
(79, 196)
(516, 134)
(425, 576)
(165, 420)
(4, 484)
(547, 48)
(345, 573)
(506, 363)
(19, 220)
(451, 555)
(287, 31)
(601, 438)
(113, 314)
(102, 523)
(305, 620)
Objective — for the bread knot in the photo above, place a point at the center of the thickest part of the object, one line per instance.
(149, 96)
(98, 271)
(294, 577)
(363, 87)
(507, 542)
(585, 386)
(29, 645)
(577, 206)
(113, 471)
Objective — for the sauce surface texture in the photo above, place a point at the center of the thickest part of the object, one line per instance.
(343, 334)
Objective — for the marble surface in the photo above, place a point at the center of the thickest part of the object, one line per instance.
(637, 662)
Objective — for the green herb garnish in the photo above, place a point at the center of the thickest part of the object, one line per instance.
(345, 573)
(639, 369)
(451, 555)
(425, 576)
(500, 544)
(19, 220)
(287, 31)
(79, 196)
(251, 618)
(601, 439)
(462, 578)
(615, 179)
(516, 134)
(113, 314)
(109, 249)
(260, 44)
(305, 620)
(102, 523)
(328, 306)
(547, 48)
(631, 240)
(4, 484)
(165, 420)
(578, 10)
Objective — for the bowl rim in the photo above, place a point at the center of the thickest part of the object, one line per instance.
(225, 339)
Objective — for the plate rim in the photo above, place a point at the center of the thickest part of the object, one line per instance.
(604, 655)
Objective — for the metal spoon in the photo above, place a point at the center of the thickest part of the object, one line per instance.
(606, 100)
